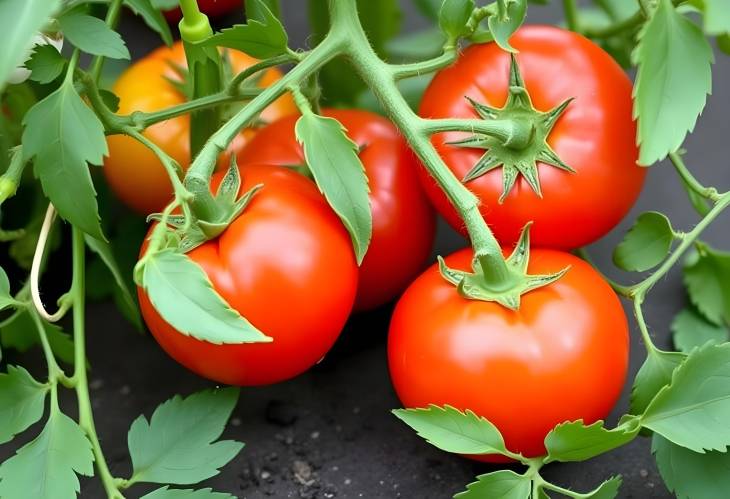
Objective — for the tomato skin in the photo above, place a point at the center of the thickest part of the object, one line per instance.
(595, 136)
(403, 221)
(133, 171)
(287, 265)
(212, 8)
(562, 356)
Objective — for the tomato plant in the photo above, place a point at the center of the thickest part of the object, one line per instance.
(153, 83)
(594, 137)
(402, 217)
(512, 367)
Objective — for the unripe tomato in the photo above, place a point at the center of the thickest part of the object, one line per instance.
(287, 265)
(403, 220)
(562, 356)
(133, 171)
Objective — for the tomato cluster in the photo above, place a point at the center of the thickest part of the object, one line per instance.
(287, 264)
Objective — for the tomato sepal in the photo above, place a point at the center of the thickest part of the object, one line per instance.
(506, 289)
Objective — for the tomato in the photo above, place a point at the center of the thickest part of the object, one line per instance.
(595, 136)
(562, 356)
(133, 171)
(403, 221)
(287, 265)
(212, 8)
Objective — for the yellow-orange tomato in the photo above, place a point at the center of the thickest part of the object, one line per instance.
(133, 171)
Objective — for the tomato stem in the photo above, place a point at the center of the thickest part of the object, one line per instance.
(112, 17)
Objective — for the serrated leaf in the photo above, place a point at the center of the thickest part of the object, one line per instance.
(181, 292)
(20, 20)
(332, 158)
(691, 475)
(453, 17)
(46, 467)
(607, 490)
(21, 402)
(573, 441)
(707, 278)
(21, 334)
(503, 484)
(646, 244)
(92, 35)
(152, 17)
(672, 84)
(178, 445)
(502, 30)
(46, 64)
(452, 430)
(257, 38)
(6, 299)
(691, 330)
(104, 250)
(168, 493)
(716, 15)
(654, 374)
(62, 135)
(694, 409)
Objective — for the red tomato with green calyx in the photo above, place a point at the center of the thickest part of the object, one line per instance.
(595, 136)
(287, 265)
(562, 356)
(403, 221)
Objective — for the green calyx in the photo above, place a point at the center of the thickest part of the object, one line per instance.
(516, 157)
(226, 207)
(505, 288)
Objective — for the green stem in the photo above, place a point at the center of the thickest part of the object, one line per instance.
(618, 288)
(571, 14)
(54, 370)
(86, 418)
(401, 71)
(515, 134)
(639, 314)
(616, 28)
(112, 17)
(376, 74)
(10, 180)
(690, 181)
(259, 66)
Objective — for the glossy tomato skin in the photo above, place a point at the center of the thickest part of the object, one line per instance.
(287, 265)
(133, 171)
(403, 220)
(562, 356)
(595, 136)
(212, 8)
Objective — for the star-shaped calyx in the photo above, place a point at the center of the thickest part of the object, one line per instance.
(521, 158)
(493, 281)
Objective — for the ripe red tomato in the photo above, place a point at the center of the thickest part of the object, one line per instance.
(403, 221)
(562, 356)
(213, 8)
(595, 136)
(287, 265)
(133, 171)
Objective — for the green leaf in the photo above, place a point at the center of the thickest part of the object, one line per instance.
(691, 330)
(673, 81)
(692, 475)
(453, 17)
(104, 250)
(110, 99)
(339, 174)
(502, 30)
(152, 17)
(723, 43)
(503, 484)
(654, 374)
(694, 409)
(62, 134)
(607, 490)
(258, 38)
(21, 402)
(178, 444)
(707, 278)
(46, 467)
(46, 64)
(92, 35)
(646, 244)
(429, 8)
(19, 22)
(452, 430)
(184, 296)
(6, 299)
(168, 493)
(716, 15)
(573, 441)
(20, 333)
(256, 9)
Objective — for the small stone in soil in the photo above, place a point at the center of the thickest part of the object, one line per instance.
(303, 473)
(281, 413)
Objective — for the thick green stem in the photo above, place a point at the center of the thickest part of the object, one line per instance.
(401, 71)
(376, 74)
(10, 180)
(515, 134)
(112, 17)
(571, 14)
(690, 181)
(86, 418)
(259, 66)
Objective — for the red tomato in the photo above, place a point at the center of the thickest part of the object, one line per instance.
(562, 356)
(287, 265)
(595, 136)
(211, 7)
(403, 221)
